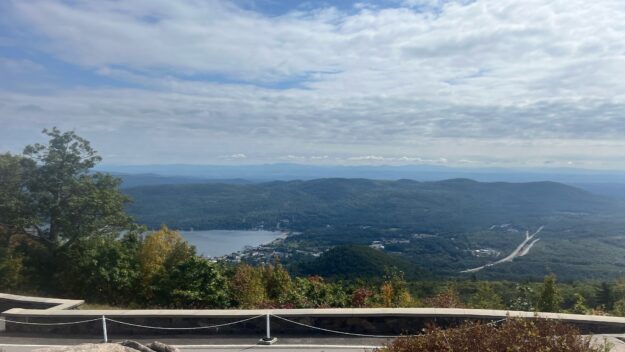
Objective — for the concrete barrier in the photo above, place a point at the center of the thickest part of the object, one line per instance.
(370, 321)
(375, 321)
(8, 301)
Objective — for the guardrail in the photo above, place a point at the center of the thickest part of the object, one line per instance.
(61, 319)
(268, 338)
(368, 322)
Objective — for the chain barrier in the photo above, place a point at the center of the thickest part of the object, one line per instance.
(104, 319)
(49, 324)
(341, 332)
(362, 335)
(189, 328)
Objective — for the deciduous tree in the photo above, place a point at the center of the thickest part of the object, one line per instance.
(247, 287)
(160, 251)
(194, 283)
(51, 194)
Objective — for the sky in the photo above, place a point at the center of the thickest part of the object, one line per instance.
(483, 83)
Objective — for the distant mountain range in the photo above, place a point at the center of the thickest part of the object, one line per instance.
(285, 172)
(608, 183)
(136, 180)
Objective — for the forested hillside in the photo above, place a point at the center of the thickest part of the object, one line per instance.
(346, 262)
(442, 227)
(452, 205)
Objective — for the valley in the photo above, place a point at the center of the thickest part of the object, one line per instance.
(440, 227)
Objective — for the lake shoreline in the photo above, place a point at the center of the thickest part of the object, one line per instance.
(218, 243)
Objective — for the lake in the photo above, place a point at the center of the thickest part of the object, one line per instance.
(215, 243)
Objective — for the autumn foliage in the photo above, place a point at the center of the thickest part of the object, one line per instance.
(512, 335)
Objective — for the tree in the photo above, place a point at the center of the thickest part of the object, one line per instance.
(247, 287)
(524, 300)
(486, 298)
(158, 253)
(605, 296)
(160, 247)
(51, 195)
(194, 283)
(101, 269)
(394, 290)
(20, 259)
(315, 292)
(580, 304)
(619, 308)
(16, 206)
(550, 298)
(278, 282)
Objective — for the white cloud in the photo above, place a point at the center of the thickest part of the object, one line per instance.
(234, 156)
(292, 157)
(491, 81)
(366, 157)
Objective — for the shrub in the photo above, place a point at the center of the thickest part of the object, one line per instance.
(446, 299)
(361, 297)
(513, 335)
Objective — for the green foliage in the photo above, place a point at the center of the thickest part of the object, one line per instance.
(16, 205)
(70, 202)
(103, 269)
(193, 283)
(486, 298)
(452, 205)
(352, 261)
(605, 296)
(51, 208)
(580, 304)
(550, 299)
(315, 292)
(619, 308)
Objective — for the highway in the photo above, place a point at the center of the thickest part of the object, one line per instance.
(521, 250)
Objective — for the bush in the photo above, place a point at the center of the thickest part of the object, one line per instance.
(194, 283)
(513, 335)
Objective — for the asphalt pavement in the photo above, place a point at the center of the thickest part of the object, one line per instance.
(192, 343)
(187, 343)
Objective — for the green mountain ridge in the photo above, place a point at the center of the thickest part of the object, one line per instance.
(451, 205)
(354, 261)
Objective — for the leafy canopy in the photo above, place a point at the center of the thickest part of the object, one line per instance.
(50, 194)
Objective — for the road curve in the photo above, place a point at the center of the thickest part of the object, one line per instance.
(521, 250)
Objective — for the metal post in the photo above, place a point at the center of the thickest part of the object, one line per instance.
(268, 340)
(106, 338)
